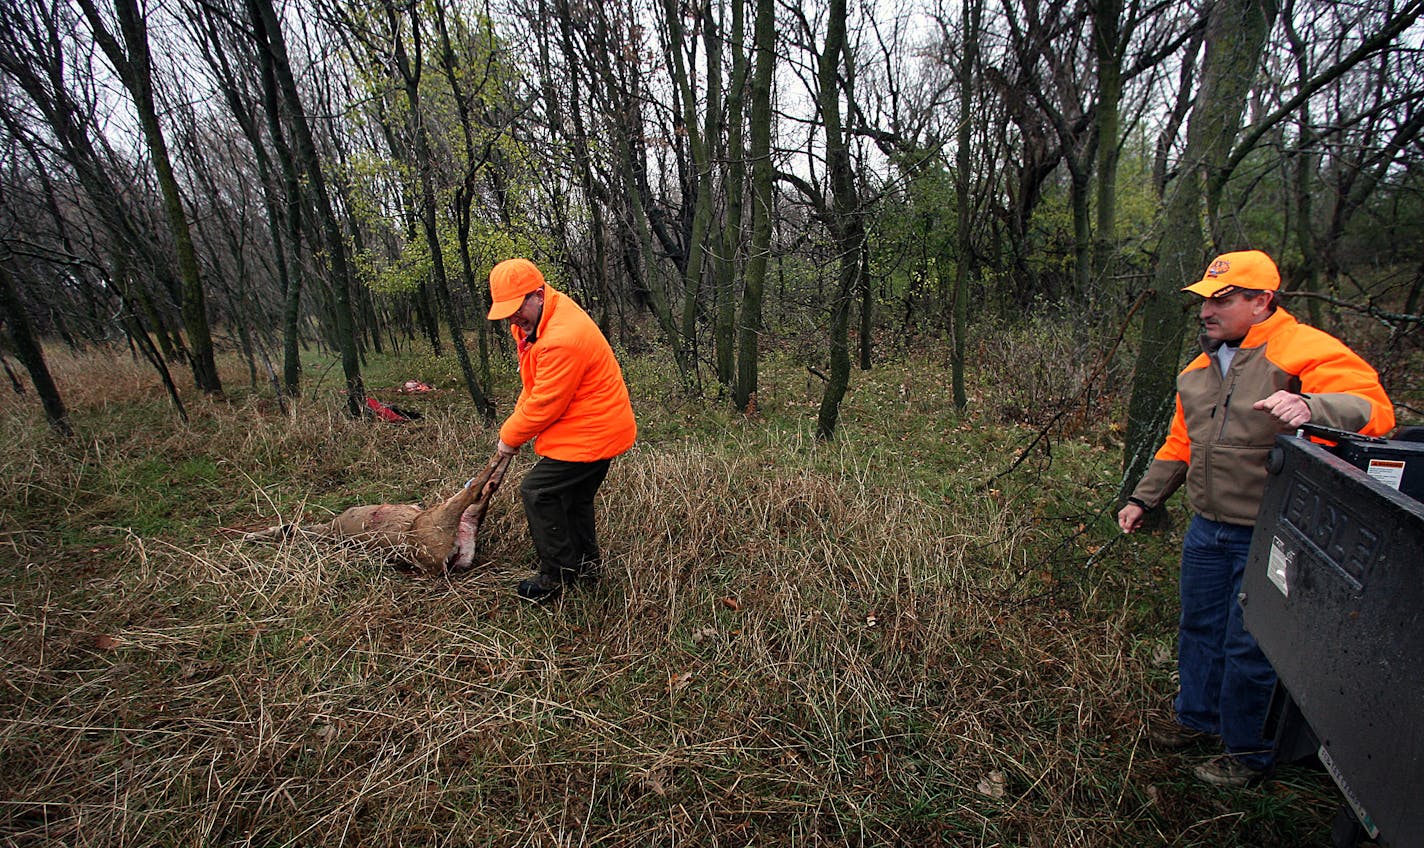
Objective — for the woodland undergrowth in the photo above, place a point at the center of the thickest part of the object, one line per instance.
(880, 640)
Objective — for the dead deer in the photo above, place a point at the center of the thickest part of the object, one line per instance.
(434, 541)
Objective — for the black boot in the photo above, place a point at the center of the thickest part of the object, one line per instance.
(541, 588)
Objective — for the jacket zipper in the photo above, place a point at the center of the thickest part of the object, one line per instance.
(1225, 412)
(1225, 406)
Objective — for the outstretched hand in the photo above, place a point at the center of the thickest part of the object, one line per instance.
(1289, 408)
(504, 450)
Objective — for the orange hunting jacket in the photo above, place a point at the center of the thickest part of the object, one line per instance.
(574, 403)
(1218, 444)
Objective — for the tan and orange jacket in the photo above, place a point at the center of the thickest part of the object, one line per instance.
(1218, 444)
(574, 403)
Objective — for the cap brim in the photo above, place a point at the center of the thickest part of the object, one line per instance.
(1210, 288)
(505, 308)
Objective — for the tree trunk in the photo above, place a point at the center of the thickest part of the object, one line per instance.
(1303, 163)
(699, 180)
(31, 355)
(293, 221)
(410, 72)
(132, 62)
(465, 194)
(867, 309)
(1236, 32)
(724, 336)
(1107, 16)
(284, 230)
(269, 37)
(762, 197)
(972, 12)
(846, 223)
(1078, 193)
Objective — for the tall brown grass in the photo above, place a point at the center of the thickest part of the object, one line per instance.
(793, 643)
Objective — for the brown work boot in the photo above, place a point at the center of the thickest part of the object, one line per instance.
(1172, 736)
(1226, 770)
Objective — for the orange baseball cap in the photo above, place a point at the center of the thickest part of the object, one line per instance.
(510, 281)
(1244, 269)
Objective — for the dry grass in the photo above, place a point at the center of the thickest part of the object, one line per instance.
(793, 644)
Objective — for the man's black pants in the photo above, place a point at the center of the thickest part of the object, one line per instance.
(558, 502)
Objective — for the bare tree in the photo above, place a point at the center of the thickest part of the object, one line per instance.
(749, 321)
(34, 58)
(1235, 34)
(249, 89)
(409, 69)
(132, 62)
(31, 355)
(971, 16)
(841, 212)
(272, 53)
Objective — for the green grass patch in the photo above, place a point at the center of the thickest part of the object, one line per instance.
(888, 639)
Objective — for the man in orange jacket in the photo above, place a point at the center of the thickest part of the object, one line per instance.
(575, 407)
(1260, 373)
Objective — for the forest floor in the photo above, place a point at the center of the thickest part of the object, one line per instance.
(880, 640)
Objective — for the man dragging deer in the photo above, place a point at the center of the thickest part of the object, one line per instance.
(574, 406)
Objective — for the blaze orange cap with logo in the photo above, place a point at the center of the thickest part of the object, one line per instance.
(1244, 269)
(510, 281)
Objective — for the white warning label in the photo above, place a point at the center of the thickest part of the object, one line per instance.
(1388, 471)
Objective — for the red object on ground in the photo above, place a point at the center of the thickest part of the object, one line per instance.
(383, 412)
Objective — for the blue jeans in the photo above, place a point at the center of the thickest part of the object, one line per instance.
(1226, 681)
